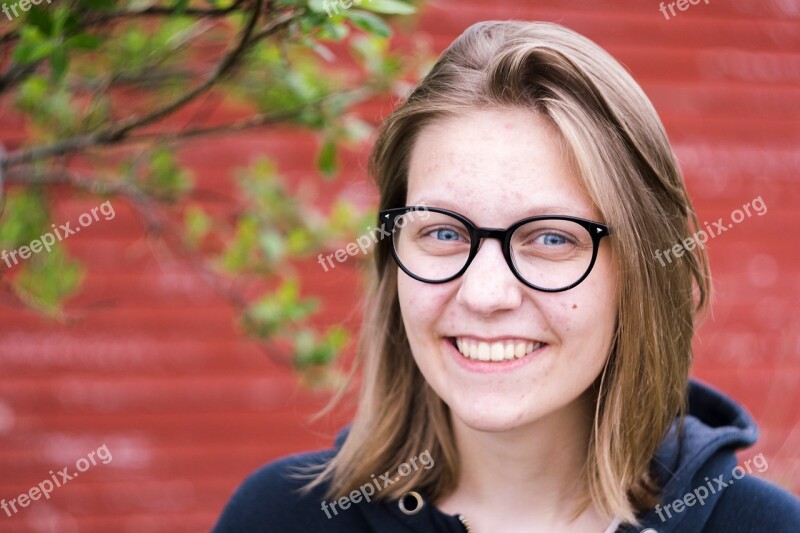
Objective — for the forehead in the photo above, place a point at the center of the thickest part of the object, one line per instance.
(495, 166)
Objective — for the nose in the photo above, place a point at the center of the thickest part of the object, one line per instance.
(488, 285)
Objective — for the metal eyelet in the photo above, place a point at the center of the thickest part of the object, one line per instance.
(411, 510)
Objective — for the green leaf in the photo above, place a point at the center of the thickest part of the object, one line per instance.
(389, 7)
(273, 245)
(27, 52)
(164, 176)
(278, 310)
(40, 18)
(334, 31)
(327, 160)
(83, 41)
(73, 24)
(59, 62)
(319, 6)
(180, 6)
(50, 106)
(25, 217)
(369, 23)
(300, 240)
(372, 53)
(288, 291)
(50, 277)
(197, 223)
(357, 130)
(60, 17)
(311, 352)
(238, 251)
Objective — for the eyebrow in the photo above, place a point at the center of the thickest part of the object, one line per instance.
(530, 211)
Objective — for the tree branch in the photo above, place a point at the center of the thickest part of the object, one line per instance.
(260, 120)
(14, 74)
(263, 119)
(152, 11)
(227, 62)
(117, 132)
(159, 225)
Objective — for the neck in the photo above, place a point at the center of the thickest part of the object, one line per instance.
(535, 470)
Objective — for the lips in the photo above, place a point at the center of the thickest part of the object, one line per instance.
(499, 350)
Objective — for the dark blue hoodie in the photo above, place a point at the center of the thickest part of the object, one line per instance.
(704, 491)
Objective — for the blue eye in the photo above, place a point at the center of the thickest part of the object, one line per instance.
(445, 234)
(551, 239)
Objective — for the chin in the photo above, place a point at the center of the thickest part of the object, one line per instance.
(486, 416)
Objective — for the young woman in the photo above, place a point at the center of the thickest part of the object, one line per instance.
(525, 359)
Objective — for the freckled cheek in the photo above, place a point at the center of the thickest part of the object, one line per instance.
(585, 312)
(590, 316)
(563, 311)
(420, 310)
(426, 301)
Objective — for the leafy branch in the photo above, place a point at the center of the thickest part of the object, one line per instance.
(99, 90)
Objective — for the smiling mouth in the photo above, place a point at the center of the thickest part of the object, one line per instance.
(505, 350)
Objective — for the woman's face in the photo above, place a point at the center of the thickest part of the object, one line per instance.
(497, 167)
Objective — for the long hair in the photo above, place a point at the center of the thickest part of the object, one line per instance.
(621, 153)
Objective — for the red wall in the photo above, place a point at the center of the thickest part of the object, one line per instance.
(152, 365)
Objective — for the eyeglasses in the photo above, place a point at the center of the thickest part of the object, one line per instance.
(546, 253)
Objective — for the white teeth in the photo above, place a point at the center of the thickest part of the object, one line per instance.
(484, 352)
(509, 353)
(495, 351)
(519, 349)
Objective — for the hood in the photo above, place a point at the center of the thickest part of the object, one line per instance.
(698, 459)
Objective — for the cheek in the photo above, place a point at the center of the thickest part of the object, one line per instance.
(423, 307)
(606, 301)
(589, 311)
(584, 318)
(418, 311)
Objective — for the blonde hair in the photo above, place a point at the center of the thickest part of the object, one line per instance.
(621, 152)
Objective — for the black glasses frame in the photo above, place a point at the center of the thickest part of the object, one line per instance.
(596, 231)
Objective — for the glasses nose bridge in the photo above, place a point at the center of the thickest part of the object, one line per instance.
(490, 233)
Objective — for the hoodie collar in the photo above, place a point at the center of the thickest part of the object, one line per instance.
(713, 428)
(693, 456)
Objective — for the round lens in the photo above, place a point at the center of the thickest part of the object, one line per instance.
(432, 246)
(552, 253)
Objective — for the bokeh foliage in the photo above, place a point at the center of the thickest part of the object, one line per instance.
(97, 82)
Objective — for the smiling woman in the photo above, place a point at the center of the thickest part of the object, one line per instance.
(521, 334)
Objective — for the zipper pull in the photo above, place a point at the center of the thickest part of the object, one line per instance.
(463, 520)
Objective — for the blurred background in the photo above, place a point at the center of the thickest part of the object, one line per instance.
(188, 326)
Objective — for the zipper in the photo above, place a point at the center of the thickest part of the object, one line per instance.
(463, 520)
